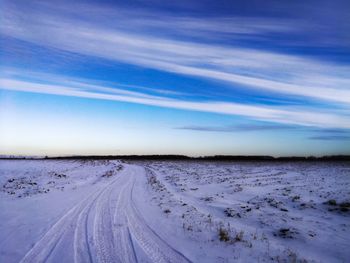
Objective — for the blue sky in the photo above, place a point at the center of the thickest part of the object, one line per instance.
(175, 77)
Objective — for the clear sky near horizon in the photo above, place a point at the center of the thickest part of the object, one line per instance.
(175, 77)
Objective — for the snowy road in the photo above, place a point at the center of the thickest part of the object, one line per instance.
(104, 227)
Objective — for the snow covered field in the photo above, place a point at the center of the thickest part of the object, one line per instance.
(172, 211)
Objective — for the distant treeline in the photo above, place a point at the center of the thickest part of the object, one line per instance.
(184, 158)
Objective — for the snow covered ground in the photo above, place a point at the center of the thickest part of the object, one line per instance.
(167, 211)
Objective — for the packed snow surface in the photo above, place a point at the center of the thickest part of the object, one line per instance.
(173, 211)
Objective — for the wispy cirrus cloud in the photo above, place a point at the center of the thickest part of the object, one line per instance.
(76, 88)
(234, 26)
(236, 128)
(321, 134)
(330, 138)
(330, 135)
(268, 71)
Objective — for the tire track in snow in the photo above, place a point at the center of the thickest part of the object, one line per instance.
(103, 228)
(121, 230)
(81, 238)
(82, 250)
(153, 245)
(42, 249)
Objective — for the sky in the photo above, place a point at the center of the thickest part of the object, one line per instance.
(194, 77)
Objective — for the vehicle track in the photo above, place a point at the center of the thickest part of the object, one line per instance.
(153, 245)
(102, 228)
(42, 249)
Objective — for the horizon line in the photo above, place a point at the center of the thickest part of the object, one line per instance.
(335, 157)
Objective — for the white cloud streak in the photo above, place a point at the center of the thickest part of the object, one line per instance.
(250, 68)
(272, 114)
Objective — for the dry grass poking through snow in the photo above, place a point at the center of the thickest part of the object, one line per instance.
(262, 211)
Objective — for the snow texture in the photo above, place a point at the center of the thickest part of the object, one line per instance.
(174, 211)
